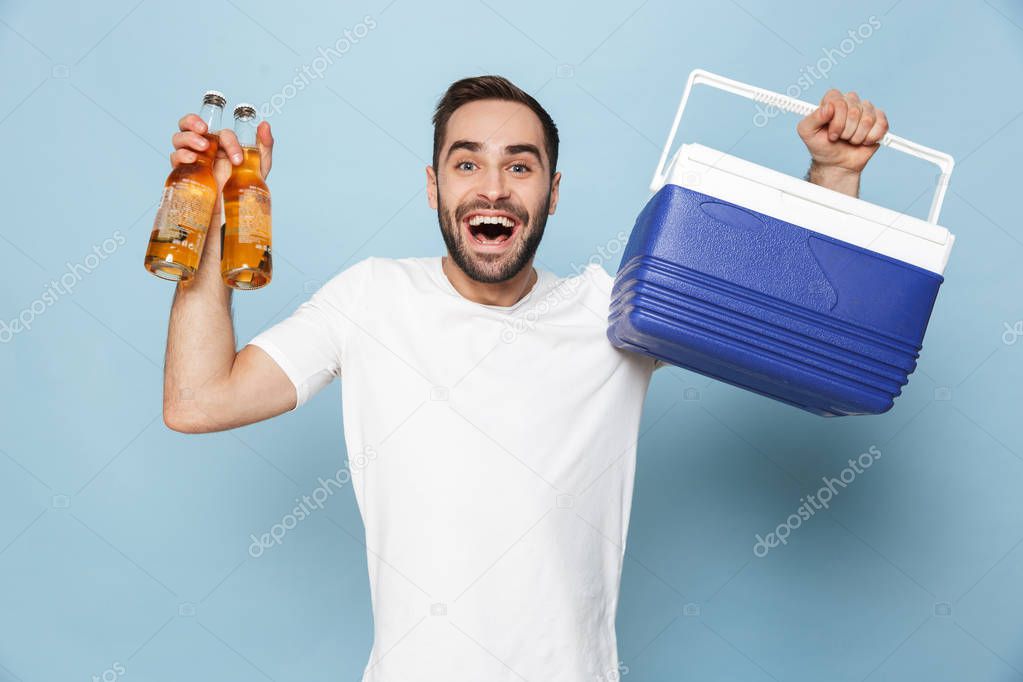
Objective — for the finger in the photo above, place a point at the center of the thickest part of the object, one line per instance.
(852, 120)
(192, 122)
(866, 123)
(837, 124)
(264, 136)
(189, 140)
(229, 145)
(832, 95)
(879, 130)
(182, 156)
(815, 120)
(852, 97)
(265, 144)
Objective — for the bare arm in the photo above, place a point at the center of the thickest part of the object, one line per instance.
(207, 385)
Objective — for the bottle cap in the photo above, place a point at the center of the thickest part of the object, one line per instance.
(214, 97)
(244, 110)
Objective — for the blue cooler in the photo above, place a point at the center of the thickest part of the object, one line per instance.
(777, 285)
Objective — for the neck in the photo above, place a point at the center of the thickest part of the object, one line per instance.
(506, 293)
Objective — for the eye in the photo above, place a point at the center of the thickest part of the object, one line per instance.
(461, 165)
(524, 168)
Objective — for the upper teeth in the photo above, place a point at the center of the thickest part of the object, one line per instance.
(492, 220)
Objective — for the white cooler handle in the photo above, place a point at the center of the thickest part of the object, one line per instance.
(792, 105)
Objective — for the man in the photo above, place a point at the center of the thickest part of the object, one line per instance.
(495, 470)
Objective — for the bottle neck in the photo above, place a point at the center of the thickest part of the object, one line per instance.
(245, 129)
(211, 115)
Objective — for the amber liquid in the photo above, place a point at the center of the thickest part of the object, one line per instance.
(245, 257)
(183, 218)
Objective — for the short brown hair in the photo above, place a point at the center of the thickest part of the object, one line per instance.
(490, 87)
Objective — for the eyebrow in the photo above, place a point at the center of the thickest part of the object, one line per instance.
(510, 150)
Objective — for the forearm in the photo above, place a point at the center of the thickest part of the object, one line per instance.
(838, 179)
(200, 342)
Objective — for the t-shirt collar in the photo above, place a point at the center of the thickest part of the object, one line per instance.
(436, 268)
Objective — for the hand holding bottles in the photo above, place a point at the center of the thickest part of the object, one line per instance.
(190, 142)
(208, 163)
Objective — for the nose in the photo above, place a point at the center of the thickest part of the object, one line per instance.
(493, 186)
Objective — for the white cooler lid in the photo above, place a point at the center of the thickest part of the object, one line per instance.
(811, 206)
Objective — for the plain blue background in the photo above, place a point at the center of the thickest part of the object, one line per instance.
(124, 546)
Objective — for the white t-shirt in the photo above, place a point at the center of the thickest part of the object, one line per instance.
(492, 453)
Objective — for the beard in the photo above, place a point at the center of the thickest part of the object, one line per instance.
(491, 268)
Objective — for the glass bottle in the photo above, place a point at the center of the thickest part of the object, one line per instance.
(245, 255)
(186, 207)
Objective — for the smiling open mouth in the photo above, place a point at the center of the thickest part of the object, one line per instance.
(491, 229)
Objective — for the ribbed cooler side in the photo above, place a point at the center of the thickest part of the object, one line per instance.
(769, 306)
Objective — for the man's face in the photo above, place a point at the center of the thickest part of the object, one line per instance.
(492, 188)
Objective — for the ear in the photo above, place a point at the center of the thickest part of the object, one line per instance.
(555, 183)
(431, 187)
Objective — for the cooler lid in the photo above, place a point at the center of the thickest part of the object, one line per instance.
(849, 219)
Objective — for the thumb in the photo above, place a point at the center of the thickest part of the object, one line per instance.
(265, 144)
(816, 119)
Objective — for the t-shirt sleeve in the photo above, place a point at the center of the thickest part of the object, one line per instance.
(309, 344)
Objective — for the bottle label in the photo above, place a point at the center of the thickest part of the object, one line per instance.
(185, 212)
(254, 217)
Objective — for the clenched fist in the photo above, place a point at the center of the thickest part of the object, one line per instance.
(842, 134)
